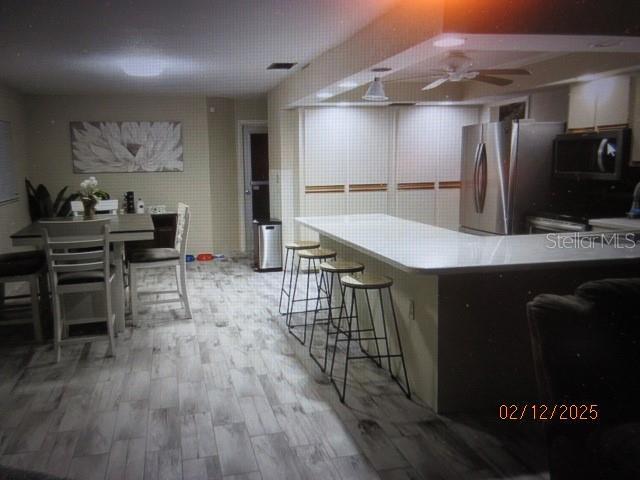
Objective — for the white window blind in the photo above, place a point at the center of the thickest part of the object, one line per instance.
(7, 170)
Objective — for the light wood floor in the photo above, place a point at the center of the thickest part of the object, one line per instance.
(231, 395)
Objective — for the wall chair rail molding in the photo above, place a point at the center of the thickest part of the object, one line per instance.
(368, 187)
(324, 189)
(416, 186)
(598, 129)
(125, 147)
(450, 184)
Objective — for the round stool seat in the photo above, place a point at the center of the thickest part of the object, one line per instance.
(341, 266)
(22, 263)
(302, 245)
(317, 253)
(366, 280)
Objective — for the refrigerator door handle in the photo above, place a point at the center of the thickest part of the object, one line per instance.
(482, 177)
(601, 149)
(475, 177)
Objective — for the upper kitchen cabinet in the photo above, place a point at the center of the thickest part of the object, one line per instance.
(417, 144)
(428, 157)
(600, 103)
(344, 146)
(429, 142)
(325, 148)
(369, 144)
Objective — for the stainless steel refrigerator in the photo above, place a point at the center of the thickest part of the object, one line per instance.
(506, 174)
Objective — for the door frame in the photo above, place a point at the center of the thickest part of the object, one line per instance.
(240, 162)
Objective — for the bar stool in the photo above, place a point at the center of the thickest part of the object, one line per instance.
(367, 282)
(311, 256)
(292, 247)
(328, 271)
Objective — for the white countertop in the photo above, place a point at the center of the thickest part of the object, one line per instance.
(421, 248)
(622, 223)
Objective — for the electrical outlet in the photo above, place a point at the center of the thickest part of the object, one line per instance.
(412, 310)
(157, 209)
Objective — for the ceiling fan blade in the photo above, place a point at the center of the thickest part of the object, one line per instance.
(493, 80)
(504, 71)
(433, 75)
(435, 83)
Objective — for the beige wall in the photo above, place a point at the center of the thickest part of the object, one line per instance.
(50, 151)
(224, 118)
(209, 182)
(250, 109)
(14, 215)
(223, 176)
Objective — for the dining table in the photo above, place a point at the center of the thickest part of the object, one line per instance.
(124, 228)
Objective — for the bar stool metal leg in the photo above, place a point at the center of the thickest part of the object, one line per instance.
(404, 365)
(293, 295)
(373, 328)
(313, 326)
(343, 307)
(354, 305)
(328, 288)
(284, 276)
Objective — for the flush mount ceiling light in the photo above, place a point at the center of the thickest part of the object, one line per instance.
(447, 42)
(375, 92)
(142, 66)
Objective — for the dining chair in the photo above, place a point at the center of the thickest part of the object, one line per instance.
(78, 260)
(148, 258)
(109, 207)
(19, 267)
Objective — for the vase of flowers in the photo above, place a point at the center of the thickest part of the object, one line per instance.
(88, 190)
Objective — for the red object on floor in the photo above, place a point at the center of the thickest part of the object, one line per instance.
(204, 257)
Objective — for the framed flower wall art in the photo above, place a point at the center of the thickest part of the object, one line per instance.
(122, 147)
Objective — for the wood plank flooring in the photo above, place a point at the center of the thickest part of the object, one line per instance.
(230, 395)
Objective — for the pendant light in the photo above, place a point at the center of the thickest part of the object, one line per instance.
(375, 92)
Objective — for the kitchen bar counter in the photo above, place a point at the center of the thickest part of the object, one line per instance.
(419, 248)
(461, 299)
(623, 224)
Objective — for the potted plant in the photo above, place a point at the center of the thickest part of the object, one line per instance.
(41, 205)
(89, 197)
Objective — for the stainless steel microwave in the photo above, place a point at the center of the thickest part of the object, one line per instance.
(600, 155)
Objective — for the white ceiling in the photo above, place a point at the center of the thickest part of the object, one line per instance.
(209, 47)
(486, 51)
(479, 59)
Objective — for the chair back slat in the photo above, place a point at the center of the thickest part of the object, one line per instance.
(182, 229)
(65, 243)
(77, 267)
(62, 237)
(77, 256)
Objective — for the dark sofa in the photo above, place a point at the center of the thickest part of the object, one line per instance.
(586, 350)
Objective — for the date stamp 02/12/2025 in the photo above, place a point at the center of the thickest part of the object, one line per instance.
(542, 412)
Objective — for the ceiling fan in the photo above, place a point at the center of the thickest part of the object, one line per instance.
(457, 67)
